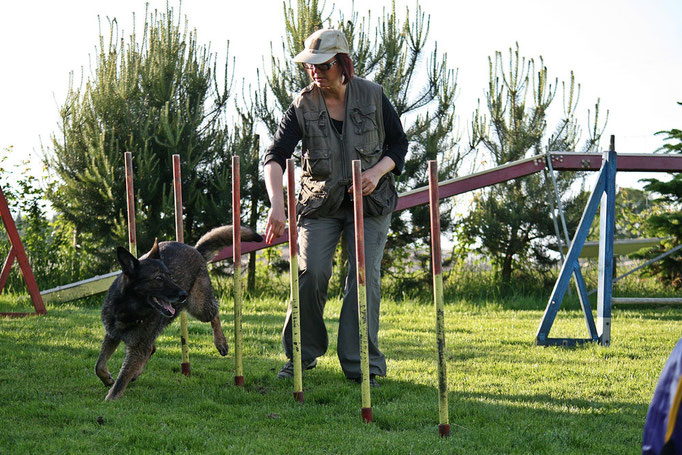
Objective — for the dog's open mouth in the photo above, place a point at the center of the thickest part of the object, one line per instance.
(164, 307)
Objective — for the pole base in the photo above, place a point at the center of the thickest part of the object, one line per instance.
(184, 368)
(298, 396)
(366, 415)
(444, 430)
(239, 381)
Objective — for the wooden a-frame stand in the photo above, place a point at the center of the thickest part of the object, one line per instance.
(17, 252)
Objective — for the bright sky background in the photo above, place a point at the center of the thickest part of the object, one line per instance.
(628, 53)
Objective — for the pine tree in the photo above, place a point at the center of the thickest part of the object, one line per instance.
(666, 222)
(154, 95)
(512, 221)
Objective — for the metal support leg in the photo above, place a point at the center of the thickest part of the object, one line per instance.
(606, 236)
(604, 191)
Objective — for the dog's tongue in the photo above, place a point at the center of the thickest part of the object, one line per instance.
(168, 307)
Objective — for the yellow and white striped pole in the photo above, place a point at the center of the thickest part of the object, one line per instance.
(293, 278)
(180, 237)
(444, 424)
(237, 258)
(366, 410)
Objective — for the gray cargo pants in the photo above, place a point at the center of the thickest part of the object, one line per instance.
(317, 240)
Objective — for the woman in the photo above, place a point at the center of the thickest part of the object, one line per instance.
(338, 118)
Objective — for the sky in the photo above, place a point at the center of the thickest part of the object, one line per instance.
(626, 53)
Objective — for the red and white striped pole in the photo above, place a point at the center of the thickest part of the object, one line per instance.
(444, 425)
(366, 410)
(237, 258)
(180, 237)
(130, 193)
(293, 278)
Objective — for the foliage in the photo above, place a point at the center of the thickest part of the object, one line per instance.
(511, 222)
(667, 220)
(422, 92)
(52, 254)
(154, 95)
(633, 207)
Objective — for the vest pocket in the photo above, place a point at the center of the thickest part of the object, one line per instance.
(383, 200)
(310, 199)
(317, 164)
(369, 154)
(364, 123)
(316, 123)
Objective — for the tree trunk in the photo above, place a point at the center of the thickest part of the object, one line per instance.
(507, 268)
(251, 273)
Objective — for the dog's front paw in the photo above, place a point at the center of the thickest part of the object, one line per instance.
(106, 377)
(223, 348)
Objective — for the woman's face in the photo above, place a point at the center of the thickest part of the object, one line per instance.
(327, 74)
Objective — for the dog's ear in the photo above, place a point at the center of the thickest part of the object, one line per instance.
(128, 262)
(154, 252)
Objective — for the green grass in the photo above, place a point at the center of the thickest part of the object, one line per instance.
(506, 394)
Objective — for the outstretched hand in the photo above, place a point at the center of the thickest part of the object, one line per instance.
(277, 222)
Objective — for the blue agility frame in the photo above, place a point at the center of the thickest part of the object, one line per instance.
(604, 193)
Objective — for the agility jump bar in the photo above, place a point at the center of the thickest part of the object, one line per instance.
(561, 161)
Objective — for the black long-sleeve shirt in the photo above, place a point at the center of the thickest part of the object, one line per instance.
(289, 134)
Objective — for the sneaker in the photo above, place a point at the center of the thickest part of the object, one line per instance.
(372, 380)
(287, 370)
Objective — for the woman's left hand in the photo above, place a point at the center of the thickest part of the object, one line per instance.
(371, 177)
(370, 180)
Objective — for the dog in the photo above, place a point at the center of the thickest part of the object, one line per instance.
(151, 292)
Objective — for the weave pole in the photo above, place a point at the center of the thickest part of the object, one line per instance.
(293, 278)
(180, 237)
(443, 422)
(237, 258)
(366, 410)
(130, 193)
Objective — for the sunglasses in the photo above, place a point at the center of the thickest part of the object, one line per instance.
(321, 66)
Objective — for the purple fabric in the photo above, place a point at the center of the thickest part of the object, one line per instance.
(656, 424)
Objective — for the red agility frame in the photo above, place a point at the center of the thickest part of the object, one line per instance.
(17, 252)
(566, 161)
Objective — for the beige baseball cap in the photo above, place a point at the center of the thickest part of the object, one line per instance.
(323, 45)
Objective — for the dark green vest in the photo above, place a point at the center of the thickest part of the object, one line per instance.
(327, 155)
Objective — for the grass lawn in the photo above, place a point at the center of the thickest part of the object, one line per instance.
(506, 394)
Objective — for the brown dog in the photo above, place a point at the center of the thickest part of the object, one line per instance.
(149, 295)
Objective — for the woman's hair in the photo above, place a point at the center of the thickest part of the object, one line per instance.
(346, 65)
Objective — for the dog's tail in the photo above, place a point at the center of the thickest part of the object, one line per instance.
(216, 239)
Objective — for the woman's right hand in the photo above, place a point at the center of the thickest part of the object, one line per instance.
(277, 222)
(277, 218)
